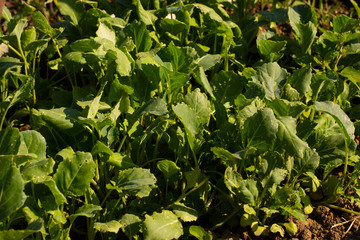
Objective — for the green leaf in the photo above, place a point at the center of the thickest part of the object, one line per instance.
(87, 210)
(301, 80)
(32, 228)
(18, 28)
(74, 172)
(112, 226)
(155, 106)
(287, 136)
(136, 180)
(306, 35)
(340, 117)
(260, 130)
(168, 168)
(342, 23)
(200, 233)
(199, 102)
(208, 61)
(188, 117)
(227, 86)
(271, 51)
(201, 78)
(173, 26)
(9, 141)
(301, 14)
(62, 119)
(269, 78)
(185, 213)
(12, 196)
(308, 163)
(246, 189)
(291, 228)
(35, 143)
(130, 224)
(73, 9)
(276, 228)
(227, 158)
(140, 35)
(278, 15)
(145, 16)
(282, 107)
(20, 94)
(38, 171)
(164, 225)
(41, 24)
(106, 32)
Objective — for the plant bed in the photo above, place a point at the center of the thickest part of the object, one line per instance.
(180, 120)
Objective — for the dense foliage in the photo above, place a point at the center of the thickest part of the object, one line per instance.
(157, 120)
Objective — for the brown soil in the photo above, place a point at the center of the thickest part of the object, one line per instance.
(323, 223)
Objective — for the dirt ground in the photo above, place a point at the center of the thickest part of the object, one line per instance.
(323, 223)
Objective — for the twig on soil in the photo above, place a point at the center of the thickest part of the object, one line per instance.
(343, 223)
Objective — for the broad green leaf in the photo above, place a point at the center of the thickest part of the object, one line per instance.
(123, 63)
(164, 225)
(9, 141)
(269, 170)
(87, 210)
(306, 35)
(130, 224)
(73, 9)
(200, 233)
(112, 226)
(301, 80)
(208, 61)
(276, 228)
(74, 172)
(301, 14)
(269, 77)
(308, 163)
(32, 228)
(145, 16)
(278, 15)
(228, 159)
(208, 11)
(342, 23)
(18, 28)
(287, 137)
(201, 78)
(62, 119)
(168, 168)
(135, 180)
(188, 117)
(41, 24)
(271, 51)
(200, 103)
(245, 189)
(20, 94)
(8, 63)
(173, 26)
(227, 86)
(182, 59)
(35, 143)
(12, 196)
(140, 35)
(291, 228)
(185, 213)
(260, 130)
(105, 32)
(282, 107)
(352, 74)
(58, 195)
(155, 106)
(38, 171)
(340, 117)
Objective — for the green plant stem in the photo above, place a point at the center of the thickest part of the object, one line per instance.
(185, 194)
(236, 210)
(342, 209)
